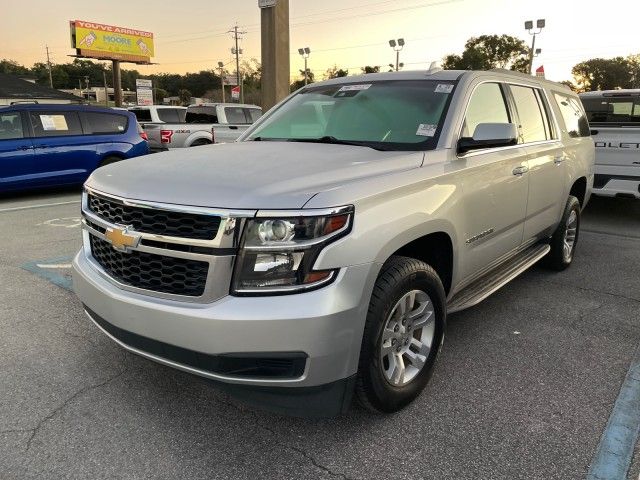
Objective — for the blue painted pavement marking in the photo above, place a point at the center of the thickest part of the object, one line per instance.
(615, 451)
(56, 270)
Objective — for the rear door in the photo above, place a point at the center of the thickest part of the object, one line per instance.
(546, 160)
(63, 153)
(16, 152)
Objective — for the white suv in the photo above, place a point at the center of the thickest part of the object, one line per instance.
(320, 254)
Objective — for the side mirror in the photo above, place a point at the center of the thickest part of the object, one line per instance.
(490, 135)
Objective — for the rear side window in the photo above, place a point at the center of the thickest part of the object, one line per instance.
(487, 105)
(170, 115)
(235, 115)
(202, 115)
(55, 124)
(253, 114)
(106, 122)
(534, 125)
(619, 110)
(573, 115)
(142, 114)
(11, 126)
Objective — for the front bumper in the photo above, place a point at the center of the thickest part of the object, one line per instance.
(324, 324)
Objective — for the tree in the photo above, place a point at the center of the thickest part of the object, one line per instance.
(13, 67)
(490, 51)
(369, 69)
(335, 72)
(184, 95)
(300, 83)
(603, 74)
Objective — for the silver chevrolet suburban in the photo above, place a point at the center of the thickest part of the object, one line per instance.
(319, 255)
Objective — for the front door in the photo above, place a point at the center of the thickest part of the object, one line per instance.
(494, 185)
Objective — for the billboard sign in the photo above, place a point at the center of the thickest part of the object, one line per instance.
(235, 93)
(97, 40)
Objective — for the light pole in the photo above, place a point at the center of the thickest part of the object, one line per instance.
(305, 54)
(397, 46)
(528, 26)
(221, 67)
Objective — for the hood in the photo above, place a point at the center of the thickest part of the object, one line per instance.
(247, 175)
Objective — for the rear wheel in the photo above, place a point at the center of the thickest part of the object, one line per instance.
(565, 238)
(403, 335)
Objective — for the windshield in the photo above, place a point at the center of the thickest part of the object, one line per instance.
(386, 115)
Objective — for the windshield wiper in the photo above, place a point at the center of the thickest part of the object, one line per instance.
(336, 141)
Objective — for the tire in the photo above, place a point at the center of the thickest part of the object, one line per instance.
(199, 143)
(565, 239)
(109, 161)
(379, 387)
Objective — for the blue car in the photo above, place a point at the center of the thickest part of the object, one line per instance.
(53, 145)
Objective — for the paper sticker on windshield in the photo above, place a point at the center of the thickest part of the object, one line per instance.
(351, 90)
(53, 122)
(426, 130)
(444, 88)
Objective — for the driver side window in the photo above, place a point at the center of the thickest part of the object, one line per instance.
(487, 105)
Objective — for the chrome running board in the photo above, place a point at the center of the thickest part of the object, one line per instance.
(496, 278)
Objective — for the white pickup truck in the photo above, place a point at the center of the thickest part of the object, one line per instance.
(614, 117)
(204, 124)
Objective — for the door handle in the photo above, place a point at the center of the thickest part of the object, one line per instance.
(23, 147)
(558, 160)
(522, 169)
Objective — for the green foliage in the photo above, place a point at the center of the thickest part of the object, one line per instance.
(607, 73)
(490, 51)
(369, 69)
(300, 82)
(73, 74)
(335, 72)
(185, 96)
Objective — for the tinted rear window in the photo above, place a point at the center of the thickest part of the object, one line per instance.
(201, 115)
(10, 126)
(54, 124)
(235, 115)
(618, 110)
(143, 115)
(171, 115)
(573, 115)
(106, 122)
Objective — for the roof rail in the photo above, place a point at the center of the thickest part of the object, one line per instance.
(16, 102)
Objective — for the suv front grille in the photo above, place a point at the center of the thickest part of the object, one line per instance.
(159, 273)
(158, 222)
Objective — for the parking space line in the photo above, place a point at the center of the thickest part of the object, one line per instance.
(615, 451)
(42, 205)
(56, 270)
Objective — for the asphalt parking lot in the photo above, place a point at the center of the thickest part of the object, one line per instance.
(525, 386)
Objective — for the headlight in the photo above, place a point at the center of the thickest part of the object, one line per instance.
(278, 252)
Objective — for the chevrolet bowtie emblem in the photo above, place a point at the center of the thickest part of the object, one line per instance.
(121, 239)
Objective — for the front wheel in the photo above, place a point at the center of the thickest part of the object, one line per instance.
(403, 335)
(565, 239)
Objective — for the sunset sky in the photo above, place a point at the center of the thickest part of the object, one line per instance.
(190, 35)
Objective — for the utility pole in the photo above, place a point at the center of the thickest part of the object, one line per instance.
(49, 67)
(106, 90)
(274, 18)
(117, 83)
(221, 67)
(237, 52)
